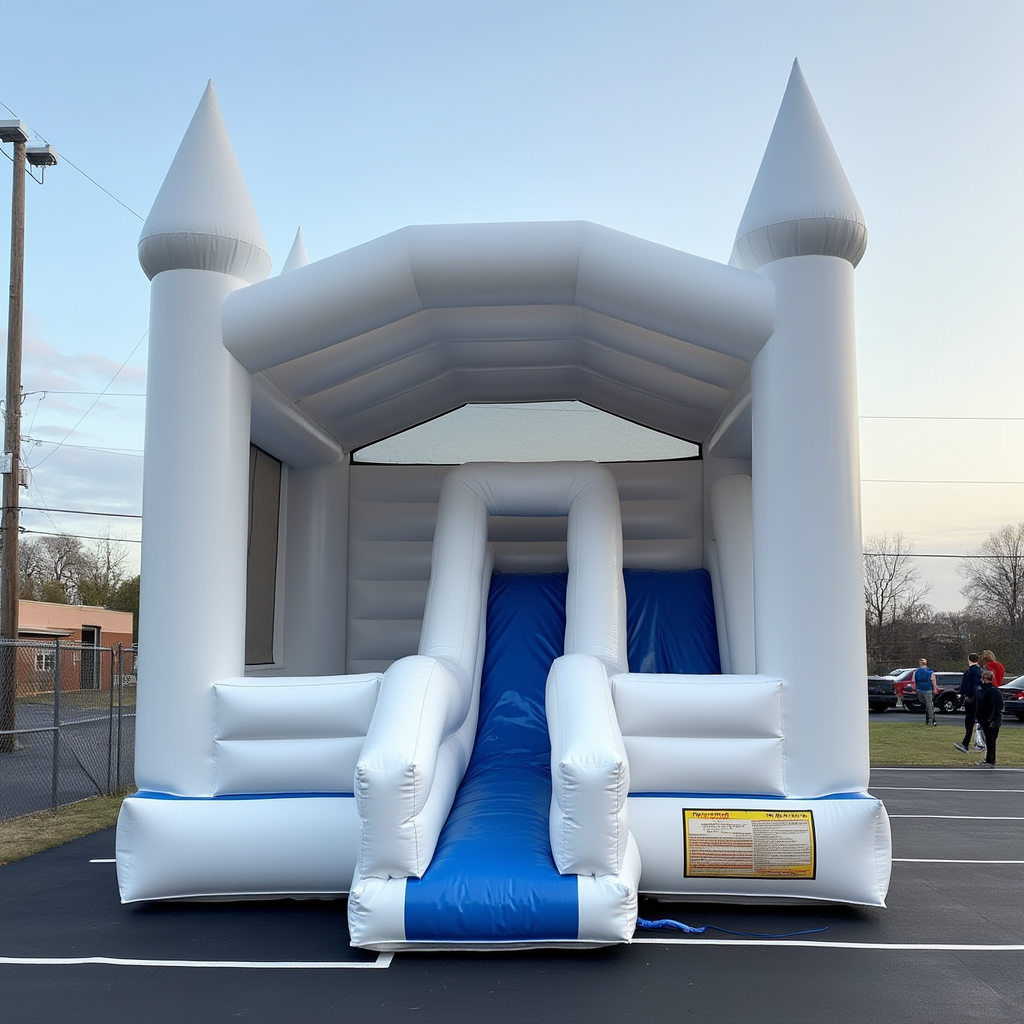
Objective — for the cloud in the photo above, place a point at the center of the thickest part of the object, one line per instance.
(45, 368)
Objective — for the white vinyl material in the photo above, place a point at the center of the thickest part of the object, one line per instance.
(376, 913)
(808, 555)
(391, 526)
(291, 735)
(196, 510)
(316, 571)
(732, 522)
(589, 827)
(702, 734)
(203, 217)
(419, 742)
(416, 752)
(607, 912)
(433, 317)
(757, 365)
(252, 848)
(852, 839)
(801, 203)
(608, 903)
(422, 732)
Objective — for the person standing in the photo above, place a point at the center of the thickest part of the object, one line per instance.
(990, 716)
(970, 684)
(995, 667)
(924, 683)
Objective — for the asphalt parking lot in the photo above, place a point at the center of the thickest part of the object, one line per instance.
(949, 946)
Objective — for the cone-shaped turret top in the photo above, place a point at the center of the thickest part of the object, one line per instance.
(203, 217)
(297, 256)
(801, 203)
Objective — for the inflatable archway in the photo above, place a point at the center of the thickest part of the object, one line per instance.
(506, 698)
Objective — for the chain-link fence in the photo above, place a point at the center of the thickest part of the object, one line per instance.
(67, 723)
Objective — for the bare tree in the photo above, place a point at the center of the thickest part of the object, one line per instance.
(51, 567)
(993, 578)
(893, 587)
(103, 570)
(61, 569)
(894, 609)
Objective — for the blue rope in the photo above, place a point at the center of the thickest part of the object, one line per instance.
(668, 923)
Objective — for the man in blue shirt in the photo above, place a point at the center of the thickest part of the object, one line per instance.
(924, 683)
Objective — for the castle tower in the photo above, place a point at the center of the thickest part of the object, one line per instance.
(803, 229)
(201, 241)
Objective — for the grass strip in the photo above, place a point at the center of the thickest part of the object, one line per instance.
(916, 745)
(33, 833)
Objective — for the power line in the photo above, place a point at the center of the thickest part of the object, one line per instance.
(72, 164)
(95, 402)
(83, 536)
(82, 512)
(102, 394)
(135, 453)
(924, 554)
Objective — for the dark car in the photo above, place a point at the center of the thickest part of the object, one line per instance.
(947, 693)
(1013, 697)
(881, 693)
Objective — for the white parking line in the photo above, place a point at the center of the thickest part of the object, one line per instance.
(945, 770)
(961, 817)
(936, 947)
(382, 962)
(104, 860)
(941, 789)
(959, 860)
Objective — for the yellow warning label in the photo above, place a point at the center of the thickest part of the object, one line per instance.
(748, 844)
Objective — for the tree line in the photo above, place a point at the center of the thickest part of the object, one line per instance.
(61, 569)
(902, 626)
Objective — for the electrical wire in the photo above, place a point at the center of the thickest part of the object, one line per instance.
(108, 394)
(80, 536)
(925, 554)
(81, 512)
(74, 166)
(135, 453)
(95, 402)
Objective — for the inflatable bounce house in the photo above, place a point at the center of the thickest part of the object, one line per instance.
(493, 701)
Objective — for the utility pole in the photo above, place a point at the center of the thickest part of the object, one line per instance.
(16, 132)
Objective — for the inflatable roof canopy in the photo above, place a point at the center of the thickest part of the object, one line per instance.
(492, 702)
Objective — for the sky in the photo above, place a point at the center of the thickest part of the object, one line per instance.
(352, 119)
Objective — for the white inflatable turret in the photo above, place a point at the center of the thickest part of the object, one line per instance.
(803, 229)
(201, 241)
(801, 203)
(297, 255)
(203, 217)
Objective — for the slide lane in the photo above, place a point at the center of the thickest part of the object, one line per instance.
(492, 877)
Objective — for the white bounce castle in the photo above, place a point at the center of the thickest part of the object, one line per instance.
(499, 700)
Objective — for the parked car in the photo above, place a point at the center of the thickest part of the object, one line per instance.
(947, 693)
(1013, 697)
(900, 677)
(881, 693)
